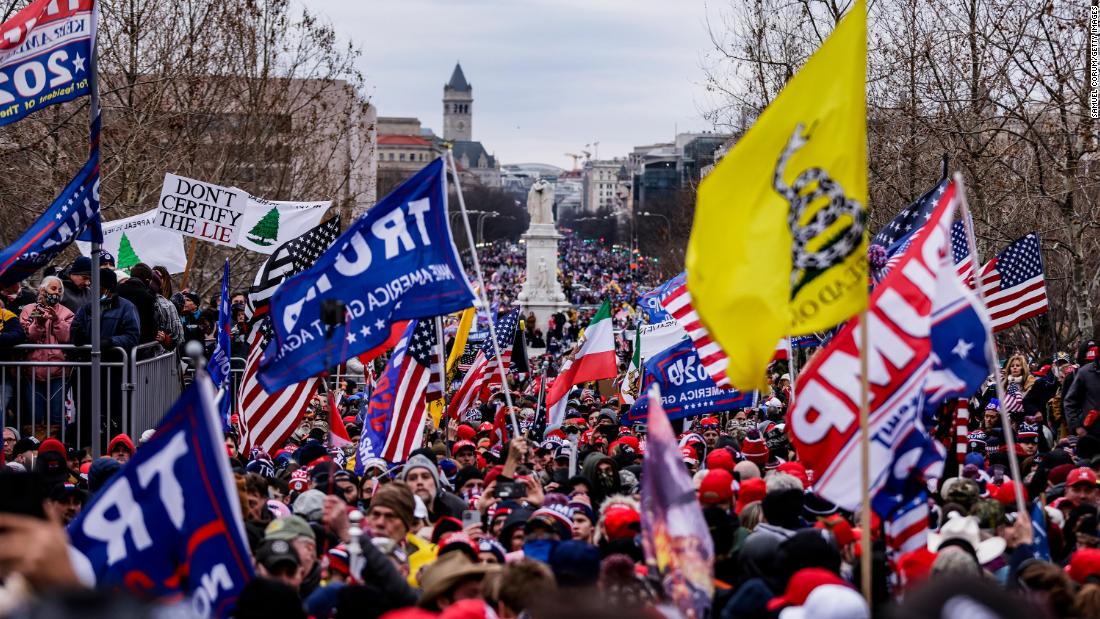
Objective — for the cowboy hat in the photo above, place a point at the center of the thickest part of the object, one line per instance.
(964, 531)
(447, 571)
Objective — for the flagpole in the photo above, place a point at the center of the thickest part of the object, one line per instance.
(865, 457)
(483, 297)
(792, 365)
(991, 347)
(96, 388)
(442, 360)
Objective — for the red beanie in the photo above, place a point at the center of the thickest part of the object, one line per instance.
(465, 432)
(755, 451)
(54, 445)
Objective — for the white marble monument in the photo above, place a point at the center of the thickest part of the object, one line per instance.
(541, 292)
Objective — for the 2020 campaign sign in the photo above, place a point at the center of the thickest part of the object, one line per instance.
(203, 210)
(45, 56)
(169, 523)
(650, 302)
(686, 388)
(396, 262)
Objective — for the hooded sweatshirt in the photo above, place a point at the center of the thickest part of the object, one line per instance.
(601, 487)
(444, 503)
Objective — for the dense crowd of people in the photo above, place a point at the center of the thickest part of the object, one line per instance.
(480, 523)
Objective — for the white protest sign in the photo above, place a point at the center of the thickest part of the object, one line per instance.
(202, 210)
(139, 239)
(267, 224)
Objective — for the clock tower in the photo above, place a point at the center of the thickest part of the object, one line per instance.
(458, 101)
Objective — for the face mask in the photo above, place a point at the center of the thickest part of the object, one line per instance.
(104, 298)
(53, 299)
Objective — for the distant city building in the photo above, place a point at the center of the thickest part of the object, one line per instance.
(601, 179)
(568, 193)
(517, 178)
(404, 146)
(661, 170)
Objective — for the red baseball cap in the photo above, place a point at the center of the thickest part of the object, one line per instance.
(795, 469)
(689, 454)
(802, 584)
(1083, 564)
(840, 528)
(716, 487)
(751, 490)
(1081, 475)
(720, 458)
(621, 522)
(1006, 494)
(459, 445)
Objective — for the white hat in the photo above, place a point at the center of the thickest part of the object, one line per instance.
(965, 528)
(786, 377)
(829, 602)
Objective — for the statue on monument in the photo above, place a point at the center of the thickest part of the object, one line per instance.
(540, 202)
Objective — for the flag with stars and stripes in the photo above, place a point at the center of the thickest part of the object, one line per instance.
(398, 406)
(290, 258)
(895, 237)
(678, 304)
(1013, 286)
(506, 335)
(484, 366)
(268, 419)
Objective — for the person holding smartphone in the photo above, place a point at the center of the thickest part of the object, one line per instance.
(46, 321)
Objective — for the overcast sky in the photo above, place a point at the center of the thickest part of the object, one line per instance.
(549, 76)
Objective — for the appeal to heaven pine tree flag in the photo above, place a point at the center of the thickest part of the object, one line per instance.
(267, 224)
(139, 239)
(778, 245)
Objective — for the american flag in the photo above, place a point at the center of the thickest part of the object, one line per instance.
(962, 429)
(907, 527)
(484, 366)
(506, 335)
(413, 357)
(435, 389)
(1013, 287)
(268, 419)
(911, 220)
(715, 361)
(290, 258)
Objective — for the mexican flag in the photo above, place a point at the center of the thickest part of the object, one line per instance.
(593, 359)
(139, 239)
(628, 388)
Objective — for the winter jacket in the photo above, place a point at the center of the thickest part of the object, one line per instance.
(118, 326)
(1083, 396)
(75, 297)
(168, 320)
(11, 332)
(20, 300)
(145, 302)
(50, 331)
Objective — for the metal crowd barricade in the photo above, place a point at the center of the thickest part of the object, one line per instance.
(156, 384)
(53, 405)
(236, 375)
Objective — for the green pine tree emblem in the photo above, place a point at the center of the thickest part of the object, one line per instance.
(127, 257)
(266, 230)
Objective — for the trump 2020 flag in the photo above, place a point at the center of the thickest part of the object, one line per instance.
(675, 536)
(927, 342)
(650, 302)
(396, 262)
(139, 239)
(779, 239)
(219, 366)
(73, 214)
(169, 523)
(45, 56)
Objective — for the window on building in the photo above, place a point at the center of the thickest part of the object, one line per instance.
(391, 156)
(401, 157)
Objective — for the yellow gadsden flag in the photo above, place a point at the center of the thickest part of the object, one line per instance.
(779, 245)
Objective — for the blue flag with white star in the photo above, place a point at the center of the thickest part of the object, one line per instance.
(397, 262)
(73, 215)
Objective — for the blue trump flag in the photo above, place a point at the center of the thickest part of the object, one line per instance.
(686, 388)
(650, 302)
(218, 366)
(73, 215)
(169, 523)
(46, 57)
(397, 262)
